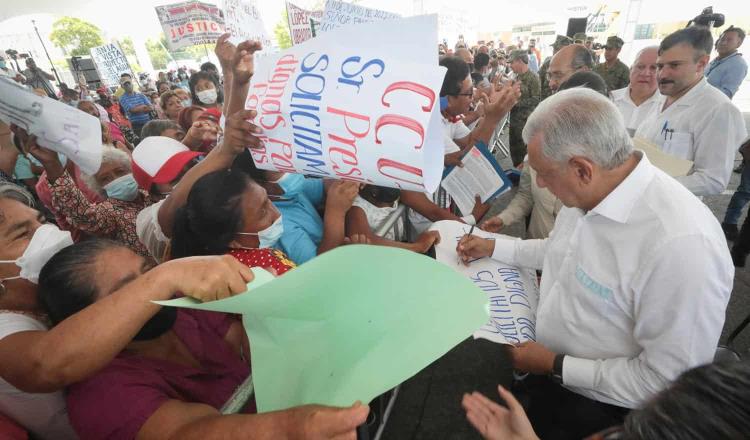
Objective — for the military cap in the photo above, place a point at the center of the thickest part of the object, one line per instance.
(614, 42)
(580, 36)
(519, 54)
(562, 41)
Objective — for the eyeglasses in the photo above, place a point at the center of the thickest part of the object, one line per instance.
(469, 94)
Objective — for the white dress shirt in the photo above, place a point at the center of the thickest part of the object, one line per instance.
(633, 292)
(702, 126)
(633, 114)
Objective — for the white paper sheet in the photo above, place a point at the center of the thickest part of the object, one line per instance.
(59, 127)
(513, 292)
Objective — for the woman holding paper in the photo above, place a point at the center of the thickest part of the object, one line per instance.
(43, 360)
(177, 370)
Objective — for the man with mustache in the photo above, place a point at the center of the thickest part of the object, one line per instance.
(638, 99)
(696, 121)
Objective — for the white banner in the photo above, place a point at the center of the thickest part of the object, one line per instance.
(338, 13)
(190, 23)
(110, 62)
(513, 292)
(303, 24)
(346, 106)
(59, 127)
(242, 19)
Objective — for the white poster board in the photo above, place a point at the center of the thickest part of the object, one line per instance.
(58, 126)
(243, 21)
(190, 23)
(513, 292)
(338, 13)
(110, 62)
(303, 24)
(345, 106)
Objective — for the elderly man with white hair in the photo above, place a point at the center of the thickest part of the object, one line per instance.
(636, 272)
(641, 96)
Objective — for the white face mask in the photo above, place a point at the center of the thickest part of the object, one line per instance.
(207, 96)
(269, 236)
(46, 242)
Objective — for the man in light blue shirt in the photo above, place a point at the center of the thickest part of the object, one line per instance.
(727, 71)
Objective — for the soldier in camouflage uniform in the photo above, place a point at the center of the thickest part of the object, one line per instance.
(559, 43)
(530, 97)
(615, 73)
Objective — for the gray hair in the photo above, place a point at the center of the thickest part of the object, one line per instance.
(15, 192)
(711, 401)
(640, 52)
(156, 127)
(110, 154)
(580, 122)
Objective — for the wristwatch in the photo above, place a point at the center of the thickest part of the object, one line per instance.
(557, 369)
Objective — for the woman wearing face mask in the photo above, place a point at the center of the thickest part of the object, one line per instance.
(112, 218)
(306, 234)
(206, 91)
(228, 213)
(371, 208)
(43, 361)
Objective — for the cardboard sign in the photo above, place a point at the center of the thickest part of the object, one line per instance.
(58, 126)
(303, 24)
(512, 292)
(190, 23)
(242, 19)
(346, 107)
(337, 14)
(334, 330)
(110, 62)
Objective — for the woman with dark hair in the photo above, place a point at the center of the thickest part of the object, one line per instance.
(177, 370)
(228, 212)
(298, 199)
(206, 90)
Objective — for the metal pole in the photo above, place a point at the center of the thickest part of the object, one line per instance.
(47, 53)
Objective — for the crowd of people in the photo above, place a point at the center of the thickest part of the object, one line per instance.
(635, 271)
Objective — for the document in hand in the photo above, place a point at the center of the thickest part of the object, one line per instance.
(480, 175)
(349, 324)
(58, 126)
(513, 292)
(672, 165)
(359, 103)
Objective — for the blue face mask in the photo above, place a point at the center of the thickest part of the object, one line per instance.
(187, 102)
(123, 188)
(292, 184)
(269, 236)
(73, 103)
(2, 64)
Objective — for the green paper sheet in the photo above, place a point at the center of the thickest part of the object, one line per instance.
(350, 324)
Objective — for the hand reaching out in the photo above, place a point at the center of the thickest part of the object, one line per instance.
(495, 422)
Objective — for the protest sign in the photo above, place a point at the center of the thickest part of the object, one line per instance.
(58, 126)
(243, 21)
(343, 107)
(110, 63)
(303, 24)
(190, 23)
(334, 330)
(338, 13)
(513, 292)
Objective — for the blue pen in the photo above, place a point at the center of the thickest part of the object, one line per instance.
(664, 130)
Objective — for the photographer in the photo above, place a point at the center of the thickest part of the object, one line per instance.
(727, 71)
(37, 78)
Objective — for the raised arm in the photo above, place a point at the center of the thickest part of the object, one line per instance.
(41, 362)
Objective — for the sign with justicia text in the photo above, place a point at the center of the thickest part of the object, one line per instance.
(190, 23)
(345, 106)
(512, 292)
